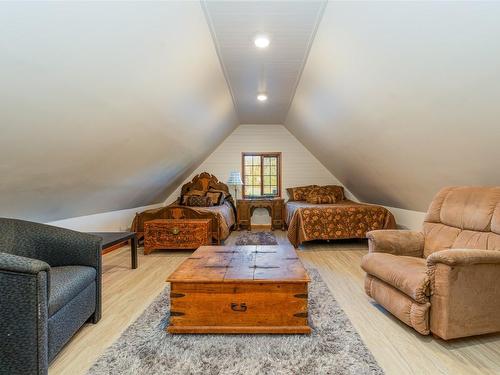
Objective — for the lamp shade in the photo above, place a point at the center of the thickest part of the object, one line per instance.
(235, 179)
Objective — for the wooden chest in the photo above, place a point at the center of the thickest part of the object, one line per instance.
(239, 289)
(176, 234)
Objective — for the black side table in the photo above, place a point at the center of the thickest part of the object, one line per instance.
(112, 238)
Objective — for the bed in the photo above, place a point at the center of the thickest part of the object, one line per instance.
(223, 216)
(342, 220)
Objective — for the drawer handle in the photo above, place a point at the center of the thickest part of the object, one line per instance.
(175, 230)
(242, 307)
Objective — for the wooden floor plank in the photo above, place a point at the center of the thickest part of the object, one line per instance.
(397, 348)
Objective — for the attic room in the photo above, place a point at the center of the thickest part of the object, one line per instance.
(249, 187)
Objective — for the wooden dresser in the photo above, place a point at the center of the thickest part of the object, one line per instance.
(176, 234)
(275, 207)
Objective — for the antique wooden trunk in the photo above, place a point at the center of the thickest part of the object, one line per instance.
(176, 234)
(240, 289)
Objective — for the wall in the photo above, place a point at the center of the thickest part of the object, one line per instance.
(399, 99)
(113, 221)
(299, 166)
(104, 105)
(407, 219)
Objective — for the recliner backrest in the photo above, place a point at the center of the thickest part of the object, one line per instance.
(466, 217)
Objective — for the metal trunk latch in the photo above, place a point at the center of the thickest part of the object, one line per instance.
(241, 307)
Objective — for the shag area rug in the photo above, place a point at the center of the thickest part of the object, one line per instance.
(256, 238)
(334, 347)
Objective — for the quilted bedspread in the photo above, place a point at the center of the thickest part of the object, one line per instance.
(345, 219)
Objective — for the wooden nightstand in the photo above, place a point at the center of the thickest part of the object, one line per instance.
(275, 207)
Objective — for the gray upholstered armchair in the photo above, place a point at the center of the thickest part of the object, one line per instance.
(50, 285)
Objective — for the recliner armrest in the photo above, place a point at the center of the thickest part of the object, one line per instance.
(396, 242)
(465, 298)
(456, 257)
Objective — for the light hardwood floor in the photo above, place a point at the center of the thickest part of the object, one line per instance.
(397, 348)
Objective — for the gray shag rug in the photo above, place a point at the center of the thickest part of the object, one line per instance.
(256, 238)
(334, 347)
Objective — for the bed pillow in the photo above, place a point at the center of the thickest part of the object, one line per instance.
(337, 191)
(197, 201)
(191, 193)
(224, 194)
(216, 197)
(321, 195)
(299, 193)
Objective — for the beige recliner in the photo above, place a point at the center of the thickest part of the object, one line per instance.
(445, 279)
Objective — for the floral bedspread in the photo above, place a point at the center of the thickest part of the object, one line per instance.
(345, 219)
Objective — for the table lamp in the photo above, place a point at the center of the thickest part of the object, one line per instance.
(235, 180)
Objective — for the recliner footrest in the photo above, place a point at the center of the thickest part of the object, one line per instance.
(412, 313)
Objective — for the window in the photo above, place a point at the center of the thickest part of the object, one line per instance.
(261, 174)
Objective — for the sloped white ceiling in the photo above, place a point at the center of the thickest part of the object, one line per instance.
(398, 99)
(111, 105)
(104, 106)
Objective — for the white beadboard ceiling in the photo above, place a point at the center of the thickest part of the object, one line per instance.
(276, 70)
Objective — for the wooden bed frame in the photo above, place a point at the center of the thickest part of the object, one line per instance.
(203, 181)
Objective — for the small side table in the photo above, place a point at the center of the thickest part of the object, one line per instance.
(275, 207)
(112, 238)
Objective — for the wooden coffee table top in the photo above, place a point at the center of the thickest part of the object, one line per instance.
(247, 264)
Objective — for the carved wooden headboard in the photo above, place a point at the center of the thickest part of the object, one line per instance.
(205, 181)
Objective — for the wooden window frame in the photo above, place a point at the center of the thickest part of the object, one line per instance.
(262, 155)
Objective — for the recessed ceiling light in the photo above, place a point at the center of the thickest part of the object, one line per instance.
(261, 41)
(262, 97)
